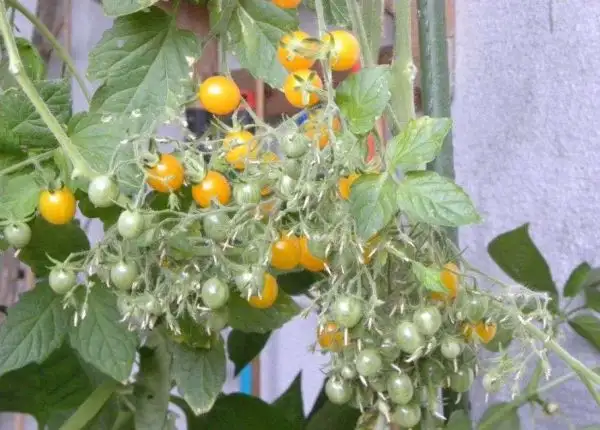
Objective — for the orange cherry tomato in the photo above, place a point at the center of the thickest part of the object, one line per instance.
(241, 147)
(268, 295)
(167, 175)
(449, 279)
(219, 95)
(213, 186)
(285, 253)
(58, 206)
(294, 88)
(484, 331)
(287, 52)
(345, 183)
(320, 132)
(287, 4)
(307, 260)
(330, 337)
(345, 50)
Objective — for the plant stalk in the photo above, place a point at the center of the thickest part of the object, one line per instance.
(60, 50)
(92, 405)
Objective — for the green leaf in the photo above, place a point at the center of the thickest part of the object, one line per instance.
(21, 127)
(33, 329)
(253, 36)
(91, 407)
(153, 384)
(592, 289)
(200, 374)
(517, 255)
(459, 420)
(245, 318)
(336, 12)
(101, 339)
(33, 63)
(334, 417)
(125, 7)
(244, 347)
(419, 143)
(296, 283)
(57, 384)
(143, 64)
(372, 203)
(49, 240)
(239, 411)
(428, 277)
(371, 12)
(433, 199)
(576, 280)
(290, 403)
(362, 97)
(587, 326)
(19, 195)
(500, 416)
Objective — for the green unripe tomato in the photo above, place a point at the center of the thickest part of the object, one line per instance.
(17, 234)
(217, 320)
(347, 311)
(433, 371)
(408, 337)
(124, 274)
(214, 293)
(390, 349)
(245, 194)
(103, 191)
(287, 185)
(368, 362)
(130, 224)
(317, 245)
(61, 280)
(348, 372)
(216, 226)
(292, 168)
(451, 348)
(491, 382)
(428, 320)
(407, 415)
(338, 390)
(462, 380)
(251, 279)
(400, 388)
(294, 147)
(475, 308)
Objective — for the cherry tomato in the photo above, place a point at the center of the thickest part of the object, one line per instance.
(17, 234)
(462, 380)
(246, 194)
(216, 226)
(217, 320)
(214, 293)
(130, 224)
(400, 388)
(433, 371)
(344, 185)
(61, 280)
(389, 349)
(338, 390)
(294, 146)
(368, 362)
(124, 274)
(268, 294)
(449, 279)
(103, 191)
(219, 95)
(476, 308)
(485, 331)
(345, 50)
(292, 168)
(57, 207)
(348, 372)
(295, 89)
(428, 320)
(213, 186)
(347, 311)
(307, 260)
(287, 52)
(287, 4)
(285, 253)
(407, 416)
(320, 132)
(240, 147)
(167, 175)
(491, 382)
(330, 337)
(451, 348)
(287, 186)
(317, 245)
(408, 337)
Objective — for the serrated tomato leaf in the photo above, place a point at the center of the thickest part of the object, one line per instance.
(587, 326)
(290, 403)
(244, 317)
(576, 280)
(500, 416)
(244, 347)
(19, 195)
(125, 7)
(372, 203)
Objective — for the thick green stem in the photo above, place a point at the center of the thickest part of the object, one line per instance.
(92, 405)
(60, 50)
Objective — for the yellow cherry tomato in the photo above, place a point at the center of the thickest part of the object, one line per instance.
(330, 337)
(287, 4)
(285, 253)
(58, 206)
(449, 278)
(295, 89)
(241, 147)
(167, 175)
(320, 132)
(219, 95)
(345, 183)
(287, 55)
(345, 50)
(268, 295)
(213, 186)
(307, 260)
(484, 331)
